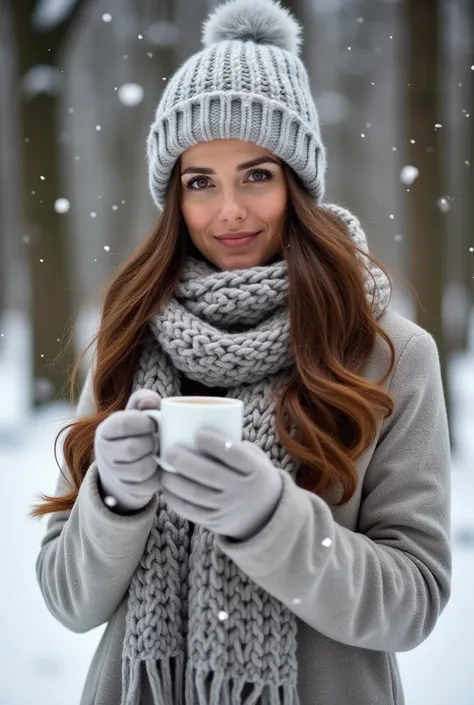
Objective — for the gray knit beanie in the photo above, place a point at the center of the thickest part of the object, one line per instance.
(247, 83)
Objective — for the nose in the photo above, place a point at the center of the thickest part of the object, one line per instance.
(232, 208)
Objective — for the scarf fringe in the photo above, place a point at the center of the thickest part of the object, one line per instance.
(214, 688)
(131, 682)
(160, 678)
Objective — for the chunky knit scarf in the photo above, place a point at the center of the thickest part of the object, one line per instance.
(198, 629)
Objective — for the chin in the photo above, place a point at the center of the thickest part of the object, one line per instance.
(239, 261)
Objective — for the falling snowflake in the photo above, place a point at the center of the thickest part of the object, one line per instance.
(93, 214)
(444, 205)
(107, 248)
(42, 79)
(326, 542)
(398, 238)
(98, 128)
(107, 17)
(62, 205)
(391, 216)
(42, 178)
(222, 616)
(408, 174)
(130, 94)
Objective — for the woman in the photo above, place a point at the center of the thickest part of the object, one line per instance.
(291, 567)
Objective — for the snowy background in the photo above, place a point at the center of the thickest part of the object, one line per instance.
(42, 662)
(79, 84)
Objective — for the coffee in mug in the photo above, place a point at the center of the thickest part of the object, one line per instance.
(180, 418)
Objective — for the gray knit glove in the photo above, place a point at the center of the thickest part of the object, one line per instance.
(124, 446)
(230, 488)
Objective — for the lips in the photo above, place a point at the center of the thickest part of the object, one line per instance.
(235, 240)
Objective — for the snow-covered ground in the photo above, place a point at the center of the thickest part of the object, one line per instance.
(41, 662)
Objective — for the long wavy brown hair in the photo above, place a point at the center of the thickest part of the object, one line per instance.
(327, 414)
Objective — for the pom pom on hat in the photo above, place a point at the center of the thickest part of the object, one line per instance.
(259, 21)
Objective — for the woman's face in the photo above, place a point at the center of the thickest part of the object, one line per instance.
(233, 200)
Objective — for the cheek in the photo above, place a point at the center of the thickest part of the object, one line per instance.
(272, 210)
(196, 216)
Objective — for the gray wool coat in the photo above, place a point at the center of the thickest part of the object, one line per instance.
(377, 587)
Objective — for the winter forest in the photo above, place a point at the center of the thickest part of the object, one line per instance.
(393, 82)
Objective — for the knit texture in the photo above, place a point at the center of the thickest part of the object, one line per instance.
(197, 626)
(248, 83)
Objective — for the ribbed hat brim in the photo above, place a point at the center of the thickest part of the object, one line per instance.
(235, 115)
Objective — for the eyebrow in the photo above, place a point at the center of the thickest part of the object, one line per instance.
(240, 167)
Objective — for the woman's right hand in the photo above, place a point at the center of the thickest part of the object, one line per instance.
(124, 448)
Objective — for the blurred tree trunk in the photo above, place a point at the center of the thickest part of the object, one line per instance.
(468, 221)
(426, 224)
(459, 20)
(13, 287)
(354, 67)
(149, 62)
(156, 70)
(51, 310)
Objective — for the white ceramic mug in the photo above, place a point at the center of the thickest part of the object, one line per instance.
(179, 419)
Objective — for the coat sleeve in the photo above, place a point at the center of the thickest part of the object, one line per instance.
(89, 554)
(383, 586)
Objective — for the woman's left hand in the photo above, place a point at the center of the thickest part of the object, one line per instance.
(230, 488)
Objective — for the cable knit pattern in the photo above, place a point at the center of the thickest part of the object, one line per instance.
(173, 631)
(247, 83)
